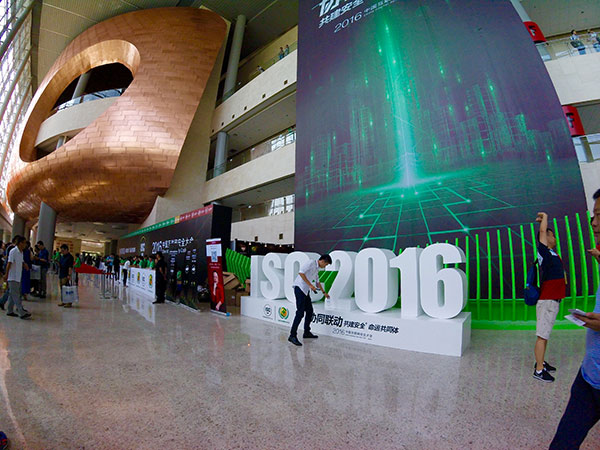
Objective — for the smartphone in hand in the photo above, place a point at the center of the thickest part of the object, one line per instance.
(578, 312)
(575, 320)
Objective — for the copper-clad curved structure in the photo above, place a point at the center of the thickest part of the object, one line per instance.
(114, 169)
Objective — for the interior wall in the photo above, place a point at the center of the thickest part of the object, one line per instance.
(74, 244)
(185, 192)
(265, 229)
(271, 50)
(590, 117)
(576, 78)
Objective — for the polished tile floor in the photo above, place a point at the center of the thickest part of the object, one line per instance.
(124, 374)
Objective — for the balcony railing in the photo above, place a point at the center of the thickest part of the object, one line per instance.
(587, 147)
(88, 98)
(259, 69)
(268, 146)
(565, 47)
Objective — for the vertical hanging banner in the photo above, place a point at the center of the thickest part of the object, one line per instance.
(427, 121)
(216, 287)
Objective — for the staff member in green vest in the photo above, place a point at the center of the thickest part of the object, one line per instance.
(76, 266)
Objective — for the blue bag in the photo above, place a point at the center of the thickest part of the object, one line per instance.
(532, 288)
(3, 441)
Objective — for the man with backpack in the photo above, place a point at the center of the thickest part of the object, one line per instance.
(552, 290)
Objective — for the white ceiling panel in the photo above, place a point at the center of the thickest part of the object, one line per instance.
(63, 20)
(557, 17)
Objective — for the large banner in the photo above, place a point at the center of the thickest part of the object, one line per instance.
(182, 240)
(216, 287)
(430, 121)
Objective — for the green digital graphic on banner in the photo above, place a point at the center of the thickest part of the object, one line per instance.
(434, 121)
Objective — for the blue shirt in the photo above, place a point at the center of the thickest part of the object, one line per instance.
(590, 369)
(46, 256)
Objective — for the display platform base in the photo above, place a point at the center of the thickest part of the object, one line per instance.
(422, 334)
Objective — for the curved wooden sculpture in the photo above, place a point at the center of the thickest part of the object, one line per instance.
(114, 169)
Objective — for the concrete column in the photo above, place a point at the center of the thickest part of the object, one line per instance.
(18, 227)
(61, 141)
(234, 55)
(520, 10)
(81, 85)
(46, 226)
(221, 153)
(6, 236)
(230, 79)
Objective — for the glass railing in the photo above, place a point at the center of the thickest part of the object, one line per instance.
(587, 147)
(274, 207)
(256, 72)
(565, 47)
(243, 157)
(88, 98)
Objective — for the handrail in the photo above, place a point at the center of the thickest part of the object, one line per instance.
(563, 47)
(108, 93)
(587, 147)
(259, 69)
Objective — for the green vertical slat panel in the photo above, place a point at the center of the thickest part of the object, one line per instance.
(524, 253)
(572, 275)
(535, 255)
(468, 267)
(512, 276)
(557, 235)
(478, 292)
(489, 273)
(585, 284)
(456, 266)
(595, 268)
(500, 274)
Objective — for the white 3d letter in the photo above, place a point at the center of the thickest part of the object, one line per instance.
(443, 290)
(375, 282)
(256, 275)
(410, 298)
(272, 266)
(343, 286)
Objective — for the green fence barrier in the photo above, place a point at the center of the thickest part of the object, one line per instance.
(239, 265)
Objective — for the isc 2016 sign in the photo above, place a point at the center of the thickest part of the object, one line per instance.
(426, 285)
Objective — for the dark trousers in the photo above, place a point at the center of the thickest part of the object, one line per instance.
(582, 413)
(161, 287)
(303, 305)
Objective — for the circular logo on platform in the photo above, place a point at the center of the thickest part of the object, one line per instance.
(283, 312)
(267, 310)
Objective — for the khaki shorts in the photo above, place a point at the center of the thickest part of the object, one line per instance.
(545, 313)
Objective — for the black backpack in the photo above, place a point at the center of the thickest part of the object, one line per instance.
(532, 287)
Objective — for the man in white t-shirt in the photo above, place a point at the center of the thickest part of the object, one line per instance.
(305, 281)
(14, 269)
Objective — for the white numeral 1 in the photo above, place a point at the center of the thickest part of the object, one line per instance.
(410, 296)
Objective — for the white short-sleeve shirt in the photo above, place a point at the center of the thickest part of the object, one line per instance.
(15, 257)
(310, 271)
